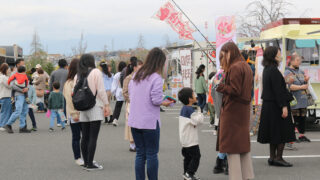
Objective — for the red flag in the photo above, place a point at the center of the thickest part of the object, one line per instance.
(173, 17)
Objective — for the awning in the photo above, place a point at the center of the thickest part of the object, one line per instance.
(306, 43)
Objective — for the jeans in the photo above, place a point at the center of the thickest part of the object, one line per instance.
(76, 136)
(191, 159)
(55, 113)
(21, 111)
(202, 100)
(147, 146)
(90, 132)
(222, 155)
(33, 119)
(40, 106)
(6, 110)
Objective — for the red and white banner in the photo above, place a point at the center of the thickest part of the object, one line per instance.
(170, 15)
(225, 32)
(186, 68)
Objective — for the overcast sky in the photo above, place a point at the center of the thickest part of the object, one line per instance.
(59, 23)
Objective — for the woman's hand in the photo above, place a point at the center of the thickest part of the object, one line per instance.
(307, 78)
(106, 110)
(166, 103)
(285, 112)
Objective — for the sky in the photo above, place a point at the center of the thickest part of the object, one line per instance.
(59, 23)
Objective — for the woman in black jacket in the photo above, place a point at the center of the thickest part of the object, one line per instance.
(276, 125)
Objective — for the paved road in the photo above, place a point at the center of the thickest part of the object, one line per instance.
(48, 156)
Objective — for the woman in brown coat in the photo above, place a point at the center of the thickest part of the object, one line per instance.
(233, 135)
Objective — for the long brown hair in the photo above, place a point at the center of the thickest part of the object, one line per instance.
(154, 63)
(4, 68)
(235, 55)
(73, 69)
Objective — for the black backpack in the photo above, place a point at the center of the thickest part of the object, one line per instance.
(83, 98)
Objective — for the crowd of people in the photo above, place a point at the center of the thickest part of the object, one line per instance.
(139, 85)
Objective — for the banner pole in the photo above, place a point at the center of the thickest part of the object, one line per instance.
(193, 24)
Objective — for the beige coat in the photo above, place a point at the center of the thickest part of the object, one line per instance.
(40, 82)
(67, 92)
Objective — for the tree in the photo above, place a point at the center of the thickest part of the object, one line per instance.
(82, 47)
(113, 67)
(36, 46)
(262, 12)
(49, 68)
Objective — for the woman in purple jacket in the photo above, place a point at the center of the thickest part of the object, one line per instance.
(146, 97)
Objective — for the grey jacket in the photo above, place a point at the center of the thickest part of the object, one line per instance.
(217, 99)
(17, 90)
(60, 76)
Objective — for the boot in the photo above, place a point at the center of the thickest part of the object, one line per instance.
(218, 167)
(8, 128)
(24, 130)
(226, 166)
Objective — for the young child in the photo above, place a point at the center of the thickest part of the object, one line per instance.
(21, 80)
(56, 106)
(188, 131)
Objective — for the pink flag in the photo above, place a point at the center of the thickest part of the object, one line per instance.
(170, 15)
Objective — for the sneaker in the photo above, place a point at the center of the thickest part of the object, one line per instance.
(187, 176)
(94, 167)
(115, 123)
(63, 128)
(79, 162)
(2, 129)
(24, 130)
(34, 129)
(218, 168)
(162, 110)
(8, 128)
(132, 150)
(214, 132)
(289, 146)
(51, 129)
(58, 125)
(304, 139)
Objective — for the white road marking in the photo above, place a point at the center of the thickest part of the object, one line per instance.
(298, 156)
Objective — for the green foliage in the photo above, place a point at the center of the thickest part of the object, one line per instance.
(113, 67)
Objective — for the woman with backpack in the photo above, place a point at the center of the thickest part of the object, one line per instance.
(116, 90)
(146, 97)
(90, 119)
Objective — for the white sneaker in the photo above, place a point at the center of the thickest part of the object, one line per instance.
(214, 132)
(58, 125)
(95, 166)
(79, 162)
(115, 122)
(2, 129)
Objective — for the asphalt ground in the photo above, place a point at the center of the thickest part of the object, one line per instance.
(43, 155)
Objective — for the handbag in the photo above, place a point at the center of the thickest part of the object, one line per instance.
(40, 92)
(308, 94)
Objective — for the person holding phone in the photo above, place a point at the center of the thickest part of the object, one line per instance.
(146, 97)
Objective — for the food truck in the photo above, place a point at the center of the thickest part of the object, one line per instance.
(301, 35)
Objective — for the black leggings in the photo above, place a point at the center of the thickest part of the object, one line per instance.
(90, 132)
(300, 123)
(117, 110)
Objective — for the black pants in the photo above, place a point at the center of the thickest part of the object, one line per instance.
(33, 119)
(90, 132)
(191, 159)
(300, 123)
(117, 110)
(202, 100)
(76, 136)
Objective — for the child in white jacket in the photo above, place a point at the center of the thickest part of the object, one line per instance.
(188, 131)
